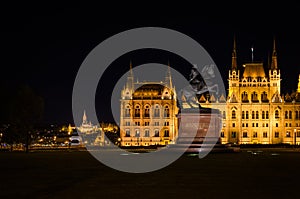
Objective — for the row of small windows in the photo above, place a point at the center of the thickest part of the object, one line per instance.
(253, 124)
(146, 111)
(146, 133)
(264, 135)
(264, 115)
(127, 123)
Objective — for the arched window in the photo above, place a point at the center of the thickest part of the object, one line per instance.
(147, 133)
(286, 115)
(147, 111)
(127, 111)
(137, 133)
(233, 114)
(244, 97)
(156, 133)
(254, 97)
(127, 133)
(137, 111)
(276, 114)
(166, 111)
(257, 115)
(247, 114)
(156, 111)
(263, 115)
(243, 114)
(166, 133)
(264, 97)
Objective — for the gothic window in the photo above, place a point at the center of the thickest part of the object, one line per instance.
(257, 115)
(127, 133)
(254, 97)
(253, 115)
(137, 133)
(245, 134)
(156, 111)
(127, 111)
(286, 115)
(233, 134)
(166, 133)
(264, 97)
(247, 114)
(267, 114)
(288, 134)
(263, 115)
(290, 115)
(245, 97)
(137, 111)
(147, 111)
(265, 134)
(156, 133)
(147, 133)
(255, 134)
(276, 114)
(243, 114)
(166, 111)
(233, 114)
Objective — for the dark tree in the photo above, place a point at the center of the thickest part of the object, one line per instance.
(25, 112)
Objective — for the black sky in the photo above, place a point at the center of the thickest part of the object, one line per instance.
(44, 45)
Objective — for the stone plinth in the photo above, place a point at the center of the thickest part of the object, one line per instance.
(199, 129)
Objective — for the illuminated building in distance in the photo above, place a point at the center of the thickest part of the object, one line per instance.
(148, 112)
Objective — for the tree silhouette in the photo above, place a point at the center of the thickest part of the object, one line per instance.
(25, 112)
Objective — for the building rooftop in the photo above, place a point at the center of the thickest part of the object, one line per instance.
(254, 70)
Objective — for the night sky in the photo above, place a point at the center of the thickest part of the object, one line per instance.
(44, 45)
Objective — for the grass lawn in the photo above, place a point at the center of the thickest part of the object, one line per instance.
(63, 174)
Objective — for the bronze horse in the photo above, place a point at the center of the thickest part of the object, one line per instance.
(191, 92)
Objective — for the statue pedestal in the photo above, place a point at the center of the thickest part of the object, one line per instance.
(199, 129)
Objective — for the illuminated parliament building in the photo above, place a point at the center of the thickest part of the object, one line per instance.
(255, 111)
(148, 112)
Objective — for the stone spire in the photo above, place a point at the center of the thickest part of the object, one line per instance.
(274, 57)
(234, 62)
(168, 78)
(129, 84)
(84, 118)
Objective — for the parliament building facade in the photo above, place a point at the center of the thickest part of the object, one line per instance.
(148, 113)
(255, 111)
